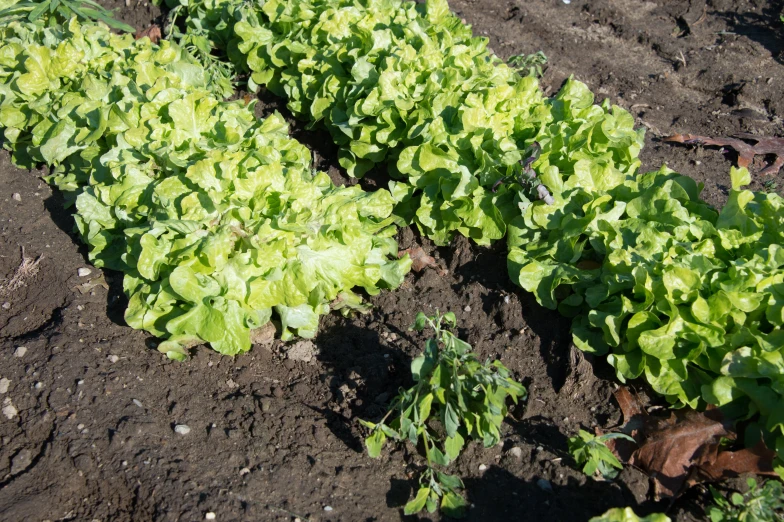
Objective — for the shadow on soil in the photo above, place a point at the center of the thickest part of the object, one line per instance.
(767, 28)
(364, 373)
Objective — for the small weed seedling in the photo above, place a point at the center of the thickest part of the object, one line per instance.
(759, 504)
(592, 453)
(456, 398)
(535, 64)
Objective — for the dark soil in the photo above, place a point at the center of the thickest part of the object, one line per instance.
(272, 438)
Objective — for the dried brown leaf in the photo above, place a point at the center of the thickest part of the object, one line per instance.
(676, 445)
(153, 33)
(419, 260)
(630, 405)
(730, 464)
(746, 152)
(92, 284)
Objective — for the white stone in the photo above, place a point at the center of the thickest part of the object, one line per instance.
(16, 196)
(516, 452)
(182, 429)
(84, 272)
(467, 308)
(113, 358)
(209, 516)
(20, 352)
(9, 410)
(482, 467)
(327, 508)
(4, 384)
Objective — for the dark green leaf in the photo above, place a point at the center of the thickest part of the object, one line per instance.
(450, 481)
(36, 13)
(451, 421)
(438, 457)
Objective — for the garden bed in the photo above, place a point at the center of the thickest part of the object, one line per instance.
(273, 435)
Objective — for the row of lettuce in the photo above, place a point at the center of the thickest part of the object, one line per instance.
(656, 279)
(215, 218)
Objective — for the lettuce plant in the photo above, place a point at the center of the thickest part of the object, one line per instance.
(214, 217)
(408, 85)
(666, 287)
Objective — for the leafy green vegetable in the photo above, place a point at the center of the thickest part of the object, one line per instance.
(592, 453)
(467, 399)
(87, 10)
(409, 85)
(665, 286)
(214, 216)
(628, 515)
(759, 504)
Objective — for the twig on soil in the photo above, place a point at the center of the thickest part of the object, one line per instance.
(27, 269)
(300, 517)
(683, 59)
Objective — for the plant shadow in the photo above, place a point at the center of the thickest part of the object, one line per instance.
(364, 372)
(765, 28)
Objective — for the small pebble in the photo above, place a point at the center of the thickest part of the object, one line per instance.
(393, 337)
(6, 306)
(20, 352)
(39, 385)
(467, 308)
(209, 516)
(244, 471)
(327, 508)
(113, 358)
(138, 403)
(16, 196)
(4, 384)
(80, 307)
(506, 299)
(9, 410)
(516, 452)
(183, 429)
(84, 272)
(482, 467)
(80, 426)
